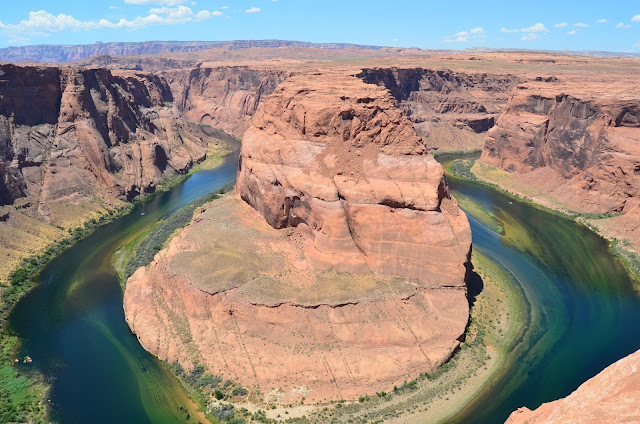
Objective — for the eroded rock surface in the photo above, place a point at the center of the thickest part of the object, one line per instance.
(74, 141)
(345, 168)
(577, 144)
(77, 132)
(612, 396)
(345, 276)
(451, 110)
(224, 97)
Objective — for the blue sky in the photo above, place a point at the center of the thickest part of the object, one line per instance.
(557, 25)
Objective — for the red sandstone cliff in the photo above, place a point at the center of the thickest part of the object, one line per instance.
(451, 110)
(613, 396)
(225, 97)
(335, 158)
(579, 145)
(366, 291)
(74, 135)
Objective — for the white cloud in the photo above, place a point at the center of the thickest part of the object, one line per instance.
(43, 23)
(458, 37)
(530, 36)
(114, 7)
(602, 21)
(476, 34)
(224, 7)
(205, 14)
(636, 46)
(535, 28)
(572, 32)
(561, 25)
(164, 2)
(635, 18)
(253, 10)
(532, 29)
(623, 25)
(580, 25)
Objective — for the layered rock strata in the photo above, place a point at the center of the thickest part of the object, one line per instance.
(345, 167)
(345, 276)
(224, 97)
(578, 146)
(73, 141)
(451, 110)
(612, 396)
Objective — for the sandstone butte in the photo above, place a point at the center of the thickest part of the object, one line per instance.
(339, 268)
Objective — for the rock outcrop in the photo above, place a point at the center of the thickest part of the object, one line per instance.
(451, 110)
(578, 145)
(346, 168)
(345, 276)
(613, 396)
(224, 97)
(74, 140)
(86, 133)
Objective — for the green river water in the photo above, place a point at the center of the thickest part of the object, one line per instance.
(583, 314)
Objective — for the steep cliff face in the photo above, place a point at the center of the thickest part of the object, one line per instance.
(345, 276)
(578, 145)
(450, 110)
(612, 396)
(75, 140)
(78, 132)
(346, 168)
(225, 97)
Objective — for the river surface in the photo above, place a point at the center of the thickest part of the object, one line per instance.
(583, 314)
(583, 308)
(72, 324)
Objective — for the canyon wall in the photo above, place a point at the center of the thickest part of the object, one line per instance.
(450, 110)
(340, 267)
(75, 141)
(578, 145)
(224, 97)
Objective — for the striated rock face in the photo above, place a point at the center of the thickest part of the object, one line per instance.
(612, 396)
(226, 97)
(577, 144)
(347, 169)
(70, 135)
(450, 110)
(346, 275)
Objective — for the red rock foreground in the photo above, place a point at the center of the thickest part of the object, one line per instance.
(358, 281)
(613, 396)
